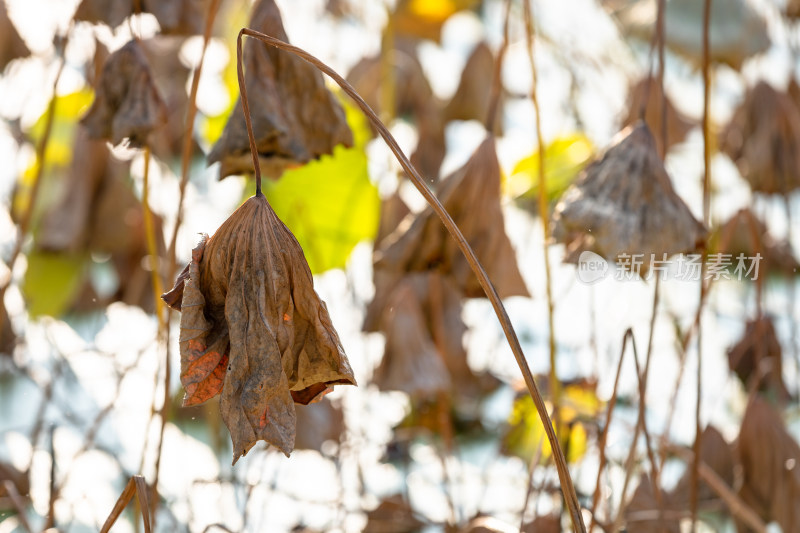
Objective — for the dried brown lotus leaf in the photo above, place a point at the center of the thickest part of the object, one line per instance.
(127, 104)
(471, 99)
(770, 461)
(718, 455)
(393, 211)
(548, 523)
(413, 97)
(411, 362)
(11, 44)
(99, 212)
(793, 9)
(170, 75)
(763, 139)
(642, 512)
(176, 17)
(66, 226)
(253, 330)
(737, 29)
(317, 423)
(757, 359)
(626, 202)
(678, 126)
(744, 233)
(472, 197)
(393, 515)
(295, 117)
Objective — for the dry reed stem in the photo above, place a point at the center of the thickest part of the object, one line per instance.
(41, 151)
(18, 503)
(641, 426)
(628, 335)
(136, 485)
(188, 135)
(693, 490)
(491, 293)
(544, 213)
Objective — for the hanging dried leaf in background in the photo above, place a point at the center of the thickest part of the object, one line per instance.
(763, 139)
(411, 362)
(770, 461)
(175, 17)
(472, 197)
(127, 104)
(171, 76)
(11, 44)
(624, 203)
(737, 31)
(642, 511)
(471, 99)
(793, 9)
(99, 213)
(254, 330)
(413, 98)
(548, 523)
(757, 359)
(719, 456)
(393, 515)
(317, 423)
(393, 211)
(744, 233)
(650, 93)
(295, 117)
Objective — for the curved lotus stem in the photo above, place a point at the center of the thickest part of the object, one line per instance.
(567, 486)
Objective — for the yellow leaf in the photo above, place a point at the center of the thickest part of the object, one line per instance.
(565, 157)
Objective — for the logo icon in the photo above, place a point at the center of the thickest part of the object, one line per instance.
(591, 267)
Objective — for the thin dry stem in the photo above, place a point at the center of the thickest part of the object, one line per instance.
(18, 503)
(188, 136)
(136, 485)
(41, 151)
(497, 78)
(558, 454)
(641, 427)
(693, 490)
(604, 435)
(544, 214)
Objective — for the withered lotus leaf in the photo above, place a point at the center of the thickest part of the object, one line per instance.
(650, 93)
(127, 104)
(471, 99)
(413, 98)
(254, 330)
(718, 455)
(472, 197)
(176, 17)
(757, 359)
(763, 139)
(769, 458)
(411, 363)
(642, 512)
(744, 233)
(11, 44)
(624, 202)
(295, 117)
